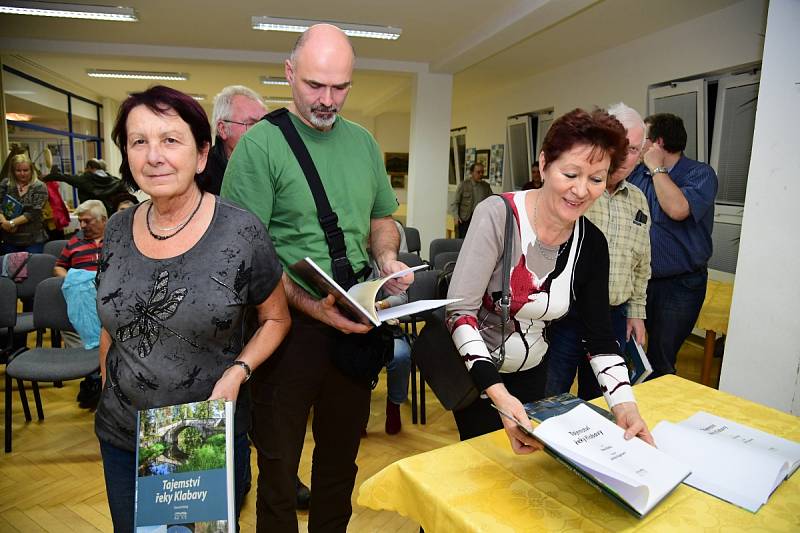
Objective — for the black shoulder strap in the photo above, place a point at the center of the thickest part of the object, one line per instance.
(334, 236)
(505, 303)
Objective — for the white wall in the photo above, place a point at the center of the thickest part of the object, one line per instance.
(762, 353)
(719, 40)
(392, 133)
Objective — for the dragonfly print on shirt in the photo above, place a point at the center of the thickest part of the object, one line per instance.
(150, 316)
(241, 280)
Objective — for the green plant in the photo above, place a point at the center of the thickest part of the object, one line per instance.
(206, 457)
(146, 453)
(189, 439)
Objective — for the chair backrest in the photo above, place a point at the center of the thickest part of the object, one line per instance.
(410, 259)
(424, 286)
(412, 240)
(443, 258)
(49, 306)
(40, 267)
(54, 248)
(443, 245)
(8, 303)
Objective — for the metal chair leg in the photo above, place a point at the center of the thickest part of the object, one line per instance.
(8, 414)
(23, 398)
(422, 417)
(413, 391)
(38, 399)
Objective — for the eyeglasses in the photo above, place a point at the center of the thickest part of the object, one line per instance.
(634, 150)
(247, 125)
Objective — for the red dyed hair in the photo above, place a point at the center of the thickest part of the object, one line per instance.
(597, 129)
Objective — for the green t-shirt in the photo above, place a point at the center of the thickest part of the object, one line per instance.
(264, 176)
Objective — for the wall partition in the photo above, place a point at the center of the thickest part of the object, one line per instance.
(41, 116)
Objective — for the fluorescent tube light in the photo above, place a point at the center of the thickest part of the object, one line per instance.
(198, 97)
(300, 25)
(137, 75)
(278, 99)
(73, 11)
(20, 117)
(274, 80)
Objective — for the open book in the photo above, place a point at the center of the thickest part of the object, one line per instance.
(736, 463)
(639, 366)
(541, 410)
(632, 473)
(358, 303)
(184, 473)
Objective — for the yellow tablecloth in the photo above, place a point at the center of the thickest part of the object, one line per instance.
(480, 485)
(716, 307)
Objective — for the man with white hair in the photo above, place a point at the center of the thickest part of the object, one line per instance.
(236, 109)
(623, 216)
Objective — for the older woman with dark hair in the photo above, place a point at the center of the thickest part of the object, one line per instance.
(559, 259)
(177, 277)
(22, 197)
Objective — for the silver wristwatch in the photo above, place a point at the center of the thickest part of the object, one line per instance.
(659, 170)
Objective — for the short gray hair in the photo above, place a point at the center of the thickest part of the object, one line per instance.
(627, 116)
(97, 164)
(96, 208)
(223, 102)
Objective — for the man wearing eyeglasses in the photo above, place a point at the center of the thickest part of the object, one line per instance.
(236, 109)
(623, 216)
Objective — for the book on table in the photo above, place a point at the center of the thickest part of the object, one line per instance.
(632, 473)
(184, 458)
(734, 462)
(358, 303)
(541, 410)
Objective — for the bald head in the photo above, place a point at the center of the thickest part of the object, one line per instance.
(320, 71)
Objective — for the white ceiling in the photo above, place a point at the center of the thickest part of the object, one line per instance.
(212, 41)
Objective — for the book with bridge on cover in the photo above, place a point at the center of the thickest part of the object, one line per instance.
(184, 458)
(358, 303)
(632, 473)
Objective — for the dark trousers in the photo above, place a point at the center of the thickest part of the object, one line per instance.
(299, 376)
(119, 470)
(480, 417)
(673, 305)
(566, 354)
(462, 229)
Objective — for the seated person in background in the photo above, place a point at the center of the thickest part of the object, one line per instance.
(94, 184)
(82, 252)
(123, 201)
(83, 249)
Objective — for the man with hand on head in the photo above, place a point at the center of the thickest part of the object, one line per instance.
(680, 193)
(265, 176)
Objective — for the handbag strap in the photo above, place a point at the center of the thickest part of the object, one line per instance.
(334, 236)
(505, 300)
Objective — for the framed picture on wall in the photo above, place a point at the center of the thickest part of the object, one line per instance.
(396, 162)
(398, 181)
(495, 173)
(469, 159)
(482, 158)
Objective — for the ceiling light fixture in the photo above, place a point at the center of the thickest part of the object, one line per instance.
(274, 80)
(300, 25)
(20, 117)
(137, 75)
(72, 11)
(198, 97)
(278, 99)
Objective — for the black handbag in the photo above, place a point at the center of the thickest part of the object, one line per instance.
(437, 357)
(358, 356)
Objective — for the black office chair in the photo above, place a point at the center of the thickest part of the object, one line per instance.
(55, 248)
(443, 245)
(46, 364)
(443, 258)
(423, 288)
(410, 259)
(412, 240)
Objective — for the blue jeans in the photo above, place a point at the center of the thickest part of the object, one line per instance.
(673, 305)
(567, 355)
(119, 469)
(398, 371)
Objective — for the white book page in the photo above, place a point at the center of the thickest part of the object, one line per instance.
(413, 307)
(366, 292)
(590, 439)
(773, 445)
(720, 467)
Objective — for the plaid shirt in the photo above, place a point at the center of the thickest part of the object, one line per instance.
(628, 245)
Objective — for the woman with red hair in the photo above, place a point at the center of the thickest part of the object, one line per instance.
(559, 259)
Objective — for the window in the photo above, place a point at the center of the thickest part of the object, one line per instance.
(458, 148)
(524, 136)
(688, 101)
